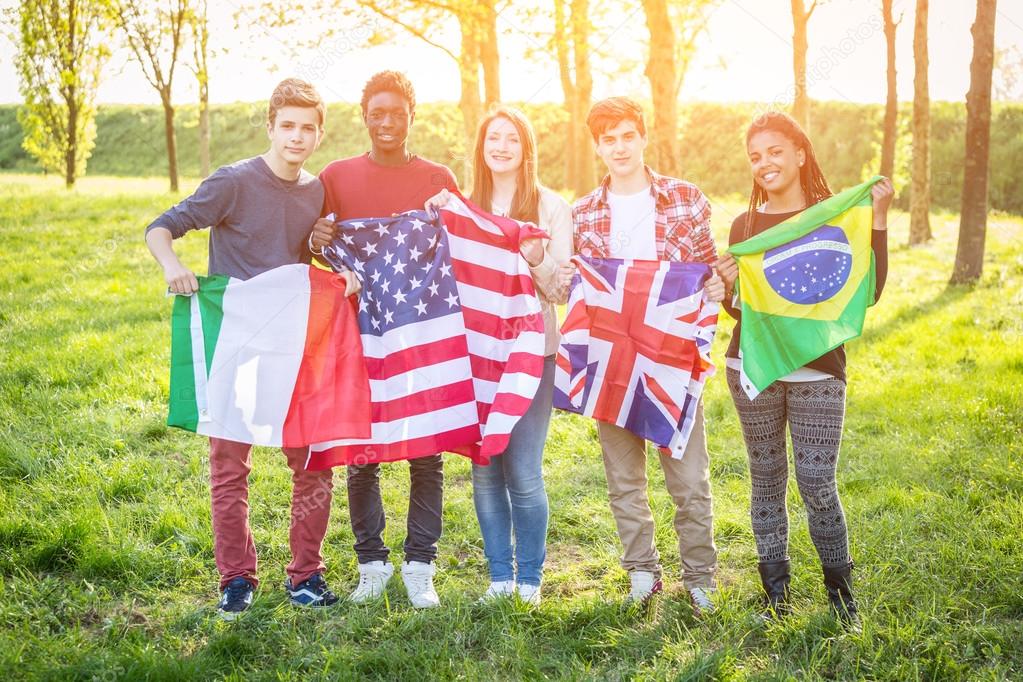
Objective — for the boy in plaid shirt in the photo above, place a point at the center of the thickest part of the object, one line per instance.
(636, 213)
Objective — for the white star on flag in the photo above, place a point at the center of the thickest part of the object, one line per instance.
(420, 308)
(451, 300)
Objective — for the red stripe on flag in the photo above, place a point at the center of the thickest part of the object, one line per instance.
(430, 400)
(497, 281)
(331, 399)
(415, 357)
(492, 370)
(501, 328)
(456, 440)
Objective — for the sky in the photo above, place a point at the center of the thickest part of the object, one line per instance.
(744, 55)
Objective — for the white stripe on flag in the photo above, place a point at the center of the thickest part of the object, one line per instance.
(420, 379)
(257, 357)
(493, 348)
(411, 335)
(495, 303)
(202, 398)
(519, 383)
(415, 426)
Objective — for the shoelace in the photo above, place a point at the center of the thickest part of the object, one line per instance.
(235, 591)
(419, 583)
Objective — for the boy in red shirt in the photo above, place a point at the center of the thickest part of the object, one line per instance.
(386, 180)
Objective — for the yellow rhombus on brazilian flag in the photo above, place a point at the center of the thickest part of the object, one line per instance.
(804, 286)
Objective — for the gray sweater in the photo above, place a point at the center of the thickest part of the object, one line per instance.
(259, 221)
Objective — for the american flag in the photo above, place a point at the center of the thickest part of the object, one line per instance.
(635, 347)
(451, 329)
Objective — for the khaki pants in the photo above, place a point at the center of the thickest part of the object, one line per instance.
(688, 482)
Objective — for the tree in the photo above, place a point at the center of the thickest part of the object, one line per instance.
(891, 109)
(200, 67)
(155, 35)
(973, 215)
(61, 51)
(800, 44)
(674, 28)
(571, 45)
(920, 184)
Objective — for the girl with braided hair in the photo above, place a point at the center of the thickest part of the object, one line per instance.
(786, 180)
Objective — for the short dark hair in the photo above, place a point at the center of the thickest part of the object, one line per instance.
(607, 113)
(389, 81)
(295, 92)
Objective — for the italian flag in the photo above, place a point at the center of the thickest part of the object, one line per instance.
(273, 360)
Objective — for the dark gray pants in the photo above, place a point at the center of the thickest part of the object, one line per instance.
(423, 524)
(814, 412)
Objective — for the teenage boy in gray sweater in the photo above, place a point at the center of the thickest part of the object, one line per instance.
(260, 212)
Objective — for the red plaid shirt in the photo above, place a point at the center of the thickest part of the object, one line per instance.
(681, 224)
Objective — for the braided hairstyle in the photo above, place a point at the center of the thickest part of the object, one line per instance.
(811, 177)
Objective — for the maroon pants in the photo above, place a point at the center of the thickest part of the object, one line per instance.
(235, 552)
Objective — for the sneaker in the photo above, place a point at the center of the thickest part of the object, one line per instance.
(235, 598)
(703, 600)
(645, 584)
(373, 577)
(418, 579)
(311, 592)
(529, 594)
(498, 590)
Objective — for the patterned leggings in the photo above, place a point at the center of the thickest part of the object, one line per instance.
(814, 411)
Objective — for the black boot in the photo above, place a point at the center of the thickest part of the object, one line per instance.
(774, 575)
(838, 581)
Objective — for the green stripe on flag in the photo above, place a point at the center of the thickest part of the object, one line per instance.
(183, 410)
(809, 220)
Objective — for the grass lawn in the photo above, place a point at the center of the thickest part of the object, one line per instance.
(106, 562)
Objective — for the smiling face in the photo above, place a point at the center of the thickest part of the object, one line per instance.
(388, 120)
(775, 161)
(294, 134)
(621, 149)
(502, 146)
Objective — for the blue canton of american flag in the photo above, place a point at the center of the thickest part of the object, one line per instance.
(402, 262)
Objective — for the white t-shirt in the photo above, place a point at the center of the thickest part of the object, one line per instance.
(632, 225)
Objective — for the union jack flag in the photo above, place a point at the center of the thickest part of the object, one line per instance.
(452, 333)
(635, 347)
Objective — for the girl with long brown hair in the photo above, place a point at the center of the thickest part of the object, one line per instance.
(787, 178)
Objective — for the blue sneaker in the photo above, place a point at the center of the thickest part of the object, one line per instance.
(311, 592)
(235, 598)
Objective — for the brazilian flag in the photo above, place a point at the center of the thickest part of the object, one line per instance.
(804, 286)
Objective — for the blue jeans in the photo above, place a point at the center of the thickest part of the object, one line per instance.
(509, 494)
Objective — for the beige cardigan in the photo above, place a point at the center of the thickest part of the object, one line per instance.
(555, 220)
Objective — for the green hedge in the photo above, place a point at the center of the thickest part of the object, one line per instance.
(847, 138)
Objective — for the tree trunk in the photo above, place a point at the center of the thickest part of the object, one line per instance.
(172, 149)
(469, 101)
(489, 57)
(891, 110)
(72, 141)
(204, 129)
(660, 71)
(973, 215)
(582, 152)
(920, 185)
(800, 99)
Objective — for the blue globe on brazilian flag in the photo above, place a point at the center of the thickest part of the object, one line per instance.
(804, 286)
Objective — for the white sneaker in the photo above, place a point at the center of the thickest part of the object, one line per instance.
(497, 590)
(530, 594)
(703, 600)
(418, 578)
(644, 585)
(373, 577)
